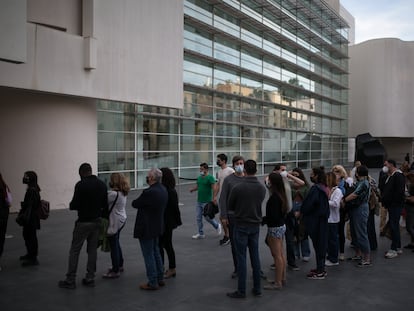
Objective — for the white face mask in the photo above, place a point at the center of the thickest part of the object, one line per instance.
(239, 168)
(284, 174)
(385, 169)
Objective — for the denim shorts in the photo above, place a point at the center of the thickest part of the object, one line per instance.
(277, 232)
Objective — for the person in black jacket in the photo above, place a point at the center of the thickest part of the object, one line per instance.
(393, 198)
(172, 219)
(31, 202)
(315, 211)
(149, 226)
(4, 212)
(90, 200)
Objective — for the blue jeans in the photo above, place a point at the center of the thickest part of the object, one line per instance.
(302, 248)
(213, 222)
(153, 262)
(116, 251)
(359, 220)
(333, 242)
(247, 236)
(394, 214)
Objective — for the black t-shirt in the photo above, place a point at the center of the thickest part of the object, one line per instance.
(274, 215)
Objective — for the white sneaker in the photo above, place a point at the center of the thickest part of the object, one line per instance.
(306, 259)
(198, 236)
(341, 257)
(391, 254)
(219, 229)
(329, 263)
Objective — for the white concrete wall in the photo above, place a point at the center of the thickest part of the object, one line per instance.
(381, 88)
(49, 134)
(137, 49)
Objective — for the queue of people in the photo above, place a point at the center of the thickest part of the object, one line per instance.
(294, 212)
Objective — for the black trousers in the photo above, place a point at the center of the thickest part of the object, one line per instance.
(30, 240)
(166, 243)
(3, 228)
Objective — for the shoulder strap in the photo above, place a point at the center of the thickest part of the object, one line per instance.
(113, 204)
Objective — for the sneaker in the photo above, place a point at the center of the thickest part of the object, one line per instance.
(341, 257)
(198, 236)
(219, 229)
(306, 258)
(399, 251)
(354, 258)
(224, 241)
(294, 267)
(272, 287)
(391, 254)
(236, 294)
(364, 263)
(317, 275)
(146, 286)
(67, 284)
(88, 282)
(329, 263)
(111, 275)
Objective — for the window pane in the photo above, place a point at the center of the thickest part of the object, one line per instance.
(116, 141)
(115, 161)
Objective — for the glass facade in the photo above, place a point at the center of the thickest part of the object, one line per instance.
(266, 79)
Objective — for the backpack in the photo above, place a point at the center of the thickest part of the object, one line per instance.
(43, 210)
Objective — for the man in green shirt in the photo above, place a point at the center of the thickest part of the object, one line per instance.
(205, 188)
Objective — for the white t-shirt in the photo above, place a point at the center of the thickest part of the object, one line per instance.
(221, 174)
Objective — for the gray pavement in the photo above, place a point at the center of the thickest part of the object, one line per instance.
(203, 275)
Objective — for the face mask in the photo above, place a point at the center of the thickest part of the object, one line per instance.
(202, 174)
(239, 168)
(385, 169)
(284, 174)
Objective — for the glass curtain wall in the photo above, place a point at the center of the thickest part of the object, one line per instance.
(264, 79)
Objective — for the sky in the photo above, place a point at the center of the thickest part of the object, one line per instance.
(382, 19)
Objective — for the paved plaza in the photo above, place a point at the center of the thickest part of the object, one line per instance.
(203, 275)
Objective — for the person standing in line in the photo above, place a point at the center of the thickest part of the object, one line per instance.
(335, 197)
(344, 182)
(117, 198)
(31, 202)
(246, 201)
(90, 200)
(172, 219)
(315, 211)
(299, 193)
(276, 210)
(149, 226)
(393, 197)
(359, 213)
(4, 212)
(289, 180)
(204, 188)
(226, 215)
(221, 175)
(409, 207)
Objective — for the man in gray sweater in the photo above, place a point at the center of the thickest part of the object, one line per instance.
(245, 200)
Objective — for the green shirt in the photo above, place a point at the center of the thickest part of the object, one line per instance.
(205, 191)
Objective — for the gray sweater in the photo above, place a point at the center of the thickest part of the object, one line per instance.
(245, 200)
(228, 184)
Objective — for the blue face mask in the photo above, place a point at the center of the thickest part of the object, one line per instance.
(239, 168)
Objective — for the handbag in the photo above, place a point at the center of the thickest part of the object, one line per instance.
(103, 236)
(23, 218)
